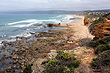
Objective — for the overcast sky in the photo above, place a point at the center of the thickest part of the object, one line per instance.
(34, 5)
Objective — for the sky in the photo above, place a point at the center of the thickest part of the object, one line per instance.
(69, 5)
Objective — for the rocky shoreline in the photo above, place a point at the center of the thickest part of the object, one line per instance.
(25, 51)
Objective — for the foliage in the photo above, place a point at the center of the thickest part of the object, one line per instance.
(28, 69)
(102, 60)
(92, 26)
(99, 42)
(64, 63)
(106, 15)
(52, 62)
(100, 20)
(66, 56)
(102, 48)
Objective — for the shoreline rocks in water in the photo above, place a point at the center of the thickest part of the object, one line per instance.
(24, 53)
(51, 24)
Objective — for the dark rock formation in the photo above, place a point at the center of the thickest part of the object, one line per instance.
(50, 25)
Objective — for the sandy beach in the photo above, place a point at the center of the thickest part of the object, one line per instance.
(80, 30)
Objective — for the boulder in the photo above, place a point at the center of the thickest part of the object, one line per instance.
(72, 18)
(21, 71)
(50, 25)
(15, 57)
(3, 47)
(8, 69)
(22, 49)
(52, 55)
(36, 35)
(32, 32)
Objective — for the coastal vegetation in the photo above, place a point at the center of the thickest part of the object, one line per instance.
(102, 50)
(99, 26)
(63, 63)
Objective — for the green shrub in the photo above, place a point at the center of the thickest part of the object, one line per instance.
(75, 64)
(66, 70)
(100, 20)
(28, 69)
(100, 49)
(52, 62)
(72, 69)
(92, 44)
(60, 52)
(99, 42)
(66, 56)
(102, 60)
(64, 63)
(94, 63)
(107, 71)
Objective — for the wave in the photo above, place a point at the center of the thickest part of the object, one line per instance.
(24, 21)
(25, 25)
(58, 19)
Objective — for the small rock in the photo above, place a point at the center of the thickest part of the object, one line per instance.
(32, 32)
(21, 71)
(53, 51)
(3, 47)
(14, 62)
(3, 63)
(15, 57)
(8, 69)
(22, 49)
(50, 25)
(16, 50)
(36, 35)
(36, 48)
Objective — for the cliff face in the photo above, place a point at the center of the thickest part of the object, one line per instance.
(102, 30)
(87, 21)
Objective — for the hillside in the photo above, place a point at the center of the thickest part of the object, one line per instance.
(100, 27)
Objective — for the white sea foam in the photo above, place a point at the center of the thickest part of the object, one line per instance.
(21, 35)
(24, 25)
(24, 21)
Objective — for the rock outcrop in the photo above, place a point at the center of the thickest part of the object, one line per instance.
(51, 24)
(86, 21)
(102, 30)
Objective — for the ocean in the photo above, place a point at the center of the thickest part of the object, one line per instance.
(13, 25)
